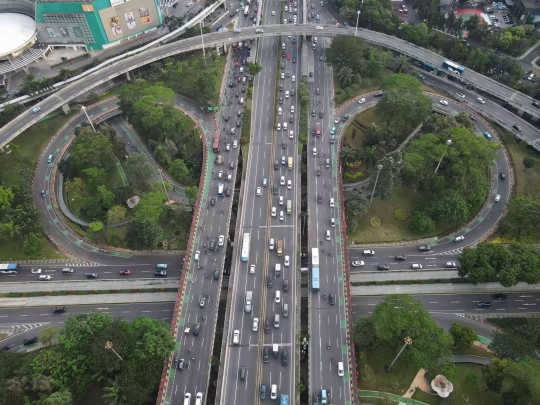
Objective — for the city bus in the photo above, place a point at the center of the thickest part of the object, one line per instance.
(428, 67)
(453, 67)
(215, 145)
(315, 269)
(10, 268)
(245, 247)
(246, 11)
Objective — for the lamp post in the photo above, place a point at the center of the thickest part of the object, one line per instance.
(379, 167)
(90, 121)
(448, 143)
(163, 182)
(108, 346)
(407, 342)
(202, 40)
(357, 18)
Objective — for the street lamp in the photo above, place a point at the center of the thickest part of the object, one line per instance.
(90, 121)
(108, 346)
(407, 342)
(159, 170)
(357, 18)
(202, 40)
(375, 186)
(448, 143)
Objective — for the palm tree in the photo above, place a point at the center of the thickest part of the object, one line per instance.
(345, 76)
(349, 155)
(401, 64)
(45, 83)
(369, 156)
(113, 394)
(64, 73)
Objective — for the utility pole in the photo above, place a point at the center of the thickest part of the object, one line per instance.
(408, 341)
(90, 121)
(448, 143)
(375, 186)
(108, 346)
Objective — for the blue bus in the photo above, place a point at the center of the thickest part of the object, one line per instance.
(453, 67)
(284, 399)
(245, 247)
(315, 269)
(10, 268)
(428, 67)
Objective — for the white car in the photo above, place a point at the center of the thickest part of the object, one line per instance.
(277, 298)
(190, 4)
(287, 261)
(293, 78)
(236, 337)
(274, 211)
(281, 216)
(282, 180)
(416, 266)
(497, 198)
(336, 121)
(283, 75)
(357, 263)
(255, 325)
(291, 134)
(289, 184)
(252, 269)
(273, 13)
(259, 190)
(318, 27)
(279, 111)
(443, 102)
(281, 200)
(450, 265)
(45, 277)
(481, 100)
(221, 240)
(292, 109)
(235, 144)
(35, 271)
(459, 238)
(362, 101)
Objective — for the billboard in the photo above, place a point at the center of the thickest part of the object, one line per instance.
(128, 17)
(87, 7)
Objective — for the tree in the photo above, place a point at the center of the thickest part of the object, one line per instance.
(529, 162)
(76, 186)
(345, 76)
(143, 233)
(471, 378)
(389, 176)
(522, 220)
(512, 345)
(401, 64)
(179, 170)
(151, 206)
(369, 156)
(192, 193)
(357, 206)
(365, 334)
(348, 154)
(64, 73)
(92, 208)
(116, 214)
(526, 373)
(33, 243)
(46, 335)
(106, 197)
(254, 68)
(90, 149)
(494, 375)
(96, 176)
(139, 171)
(96, 226)
(463, 336)
(6, 197)
(59, 398)
(113, 394)
(449, 207)
(400, 316)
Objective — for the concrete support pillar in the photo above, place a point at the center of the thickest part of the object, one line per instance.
(534, 120)
(519, 113)
(66, 108)
(128, 76)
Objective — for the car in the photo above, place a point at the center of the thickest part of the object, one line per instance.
(280, 101)
(460, 95)
(488, 136)
(483, 304)
(536, 104)
(450, 265)
(236, 337)
(289, 184)
(202, 301)
(400, 257)
(35, 271)
(416, 266)
(125, 272)
(313, 114)
(283, 144)
(362, 101)
(502, 176)
(368, 252)
(267, 326)
(288, 57)
(336, 121)
(196, 329)
(357, 263)
(282, 180)
(331, 298)
(235, 144)
(263, 387)
(35, 110)
(319, 198)
(160, 273)
(293, 60)
(30, 341)
(318, 171)
(259, 190)
(243, 373)
(287, 261)
(228, 192)
(497, 198)
(45, 277)
(345, 117)
(481, 100)
(59, 310)
(180, 365)
(317, 91)
(274, 211)
(286, 285)
(273, 13)
(265, 182)
(472, 117)
(459, 238)
(318, 27)
(227, 147)
(443, 102)
(280, 111)
(321, 114)
(516, 127)
(321, 57)
(275, 189)
(383, 267)
(499, 296)
(424, 248)
(216, 275)
(255, 325)
(291, 134)
(43, 193)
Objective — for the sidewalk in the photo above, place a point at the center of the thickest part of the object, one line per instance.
(440, 289)
(66, 300)
(365, 276)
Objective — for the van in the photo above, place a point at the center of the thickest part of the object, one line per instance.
(220, 190)
(340, 370)
(289, 207)
(324, 397)
(290, 163)
(275, 350)
(327, 164)
(284, 357)
(331, 203)
(285, 311)
(279, 247)
(278, 270)
(284, 126)
(50, 159)
(187, 398)
(198, 399)
(327, 234)
(67, 270)
(197, 256)
(271, 244)
(276, 321)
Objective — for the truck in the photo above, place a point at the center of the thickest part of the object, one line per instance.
(317, 129)
(246, 11)
(279, 247)
(249, 301)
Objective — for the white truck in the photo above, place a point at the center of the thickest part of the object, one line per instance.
(249, 301)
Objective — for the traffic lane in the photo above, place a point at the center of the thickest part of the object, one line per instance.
(387, 256)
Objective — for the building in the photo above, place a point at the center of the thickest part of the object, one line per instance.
(528, 11)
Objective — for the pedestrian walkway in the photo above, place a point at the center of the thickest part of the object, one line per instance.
(419, 381)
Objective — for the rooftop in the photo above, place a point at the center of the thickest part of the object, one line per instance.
(15, 32)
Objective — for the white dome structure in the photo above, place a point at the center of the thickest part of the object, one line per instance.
(17, 34)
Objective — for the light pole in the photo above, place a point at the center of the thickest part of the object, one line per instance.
(448, 143)
(90, 121)
(357, 18)
(108, 346)
(162, 182)
(202, 40)
(379, 167)
(408, 341)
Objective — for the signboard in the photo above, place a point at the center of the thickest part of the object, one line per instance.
(116, 2)
(87, 7)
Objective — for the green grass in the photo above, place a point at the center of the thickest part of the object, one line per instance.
(392, 230)
(372, 367)
(371, 85)
(11, 249)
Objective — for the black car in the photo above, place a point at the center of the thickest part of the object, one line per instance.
(280, 101)
(266, 354)
(345, 117)
(212, 245)
(502, 176)
(313, 113)
(243, 374)
(267, 326)
(196, 329)
(283, 145)
(216, 275)
(228, 192)
(293, 60)
(499, 296)
(424, 248)
(238, 123)
(160, 273)
(282, 65)
(383, 267)
(332, 298)
(400, 257)
(483, 304)
(231, 84)
(319, 198)
(43, 193)
(284, 357)
(321, 114)
(270, 281)
(275, 189)
(91, 275)
(318, 172)
(6, 347)
(291, 118)
(237, 94)
(59, 310)
(263, 391)
(285, 285)
(30, 341)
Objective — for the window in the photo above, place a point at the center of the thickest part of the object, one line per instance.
(77, 31)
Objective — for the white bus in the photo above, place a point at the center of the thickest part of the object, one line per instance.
(246, 11)
(245, 247)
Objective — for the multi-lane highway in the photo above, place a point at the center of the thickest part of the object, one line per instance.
(269, 199)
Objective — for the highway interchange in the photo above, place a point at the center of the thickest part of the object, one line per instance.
(327, 323)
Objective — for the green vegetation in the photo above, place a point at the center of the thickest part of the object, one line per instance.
(82, 363)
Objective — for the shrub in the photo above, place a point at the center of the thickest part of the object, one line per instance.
(401, 214)
(529, 162)
(375, 222)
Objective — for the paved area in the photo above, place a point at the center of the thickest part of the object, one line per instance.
(440, 289)
(366, 276)
(85, 285)
(418, 382)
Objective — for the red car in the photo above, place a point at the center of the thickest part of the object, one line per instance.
(125, 272)
(255, 10)
(288, 56)
(239, 79)
(237, 63)
(318, 91)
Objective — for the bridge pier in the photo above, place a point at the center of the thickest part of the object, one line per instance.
(66, 109)
(128, 76)
(519, 113)
(534, 120)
